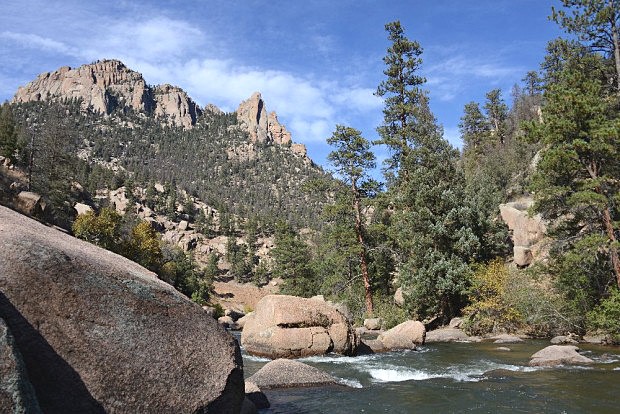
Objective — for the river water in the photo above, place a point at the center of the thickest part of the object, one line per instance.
(455, 378)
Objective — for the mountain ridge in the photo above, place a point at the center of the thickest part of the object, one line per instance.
(108, 85)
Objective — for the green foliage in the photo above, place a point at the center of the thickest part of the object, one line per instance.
(392, 314)
(606, 316)
(144, 246)
(352, 159)
(103, 229)
(578, 179)
(292, 263)
(8, 133)
(404, 114)
(489, 309)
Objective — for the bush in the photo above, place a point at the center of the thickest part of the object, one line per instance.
(606, 316)
(390, 312)
(490, 309)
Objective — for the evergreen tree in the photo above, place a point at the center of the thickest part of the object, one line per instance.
(431, 222)
(595, 22)
(8, 133)
(404, 114)
(475, 133)
(578, 179)
(497, 114)
(292, 262)
(352, 159)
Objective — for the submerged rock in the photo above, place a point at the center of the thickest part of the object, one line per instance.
(559, 355)
(99, 333)
(286, 373)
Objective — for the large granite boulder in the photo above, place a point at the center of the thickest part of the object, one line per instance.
(559, 355)
(16, 392)
(99, 333)
(292, 327)
(286, 373)
(404, 336)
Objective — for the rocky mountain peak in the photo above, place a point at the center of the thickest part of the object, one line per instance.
(107, 85)
(265, 127)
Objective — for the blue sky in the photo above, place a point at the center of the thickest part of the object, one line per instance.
(316, 62)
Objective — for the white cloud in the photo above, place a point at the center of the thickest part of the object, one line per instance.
(450, 77)
(38, 42)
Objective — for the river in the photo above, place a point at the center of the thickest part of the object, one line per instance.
(455, 378)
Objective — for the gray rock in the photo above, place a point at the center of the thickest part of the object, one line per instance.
(559, 355)
(506, 339)
(287, 373)
(455, 322)
(564, 339)
(399, 298)
(99, 333)
(16, 392)
(447, 335)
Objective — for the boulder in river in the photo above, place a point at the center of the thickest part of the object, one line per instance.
(292, 327)
(404, 336)
(286, 373)
(99, 333)
(447, 335)
(559, 355)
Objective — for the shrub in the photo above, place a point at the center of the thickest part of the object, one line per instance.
(490, 310)
(606, 316)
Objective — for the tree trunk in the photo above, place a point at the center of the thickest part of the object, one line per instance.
(614, 36)
(613, 251)
(360, 239)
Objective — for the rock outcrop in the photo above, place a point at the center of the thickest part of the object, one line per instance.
(527, 232)
(99, 333)
(108, 85)
(292, 327)
(559, 355)
(172, 102)
(404, 336)
(262, 127)
(285, 373)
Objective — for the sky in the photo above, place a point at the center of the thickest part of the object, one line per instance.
(317, 63)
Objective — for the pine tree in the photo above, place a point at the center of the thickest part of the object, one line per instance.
(430, 225)
(352, 159)
(497, 114)
(405, 100)
(8, 133)
(595, 22)
(578, 179)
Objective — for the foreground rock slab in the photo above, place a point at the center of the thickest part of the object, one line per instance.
(99, 333)
(286, 373)
(559, 355)
(292, 327)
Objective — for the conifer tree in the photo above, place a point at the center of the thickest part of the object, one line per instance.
(578, 176)
(595, 22)
(352, 159)
(431, 222)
